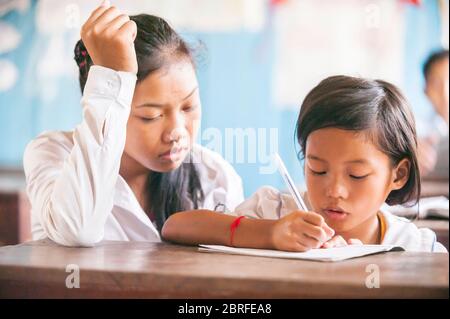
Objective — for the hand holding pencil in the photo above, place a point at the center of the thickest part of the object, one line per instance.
(300, 230)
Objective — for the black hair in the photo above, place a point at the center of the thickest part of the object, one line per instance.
(374, 106)
(432, 59)
(157, 45)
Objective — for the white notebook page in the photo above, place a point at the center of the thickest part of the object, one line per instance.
(325, 254)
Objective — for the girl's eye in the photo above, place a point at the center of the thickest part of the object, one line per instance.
(359, 177)
(150, 119)
(318, 172)
(189, 108)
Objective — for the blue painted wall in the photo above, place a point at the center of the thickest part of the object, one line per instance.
(236, 93)
(422, 36)
(16, 107)
(23, 111)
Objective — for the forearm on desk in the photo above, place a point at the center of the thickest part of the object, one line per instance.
(208, 227)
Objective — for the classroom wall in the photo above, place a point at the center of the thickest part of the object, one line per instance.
(38, 101)
(236, 94)
(422, 36)
(235, 74)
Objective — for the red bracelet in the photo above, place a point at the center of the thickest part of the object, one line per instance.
(233, 227)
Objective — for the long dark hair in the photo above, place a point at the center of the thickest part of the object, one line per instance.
(156, 45)
(375, 106)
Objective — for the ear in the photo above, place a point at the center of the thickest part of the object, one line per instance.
(426, 90)
(401, 174)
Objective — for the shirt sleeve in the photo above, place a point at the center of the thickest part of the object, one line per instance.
(226, 194)
(221, 184)
(267, 203)
(71, 190)
(439, 248)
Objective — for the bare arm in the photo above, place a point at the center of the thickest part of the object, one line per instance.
(298, 231)
(209, 227)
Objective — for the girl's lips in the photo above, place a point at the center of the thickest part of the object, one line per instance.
(173, 154)
(335, 214)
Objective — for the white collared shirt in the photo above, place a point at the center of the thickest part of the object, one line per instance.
(78, 197)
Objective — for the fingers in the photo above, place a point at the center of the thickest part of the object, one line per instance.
(336, 241)
(301, 231)
(292, 242)
(106, 17)
(108, 36)
(118, 22)
(339, 241)
(299, 248)
(110, 20)
(315, 232)
(129, 29)
(99, 10)
(354, 241)
(318, 220)
(310, 242)
(96, 13)
(314, 226)
(313, 218)
(328, 230)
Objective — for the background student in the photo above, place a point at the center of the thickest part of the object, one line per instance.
(433, 146)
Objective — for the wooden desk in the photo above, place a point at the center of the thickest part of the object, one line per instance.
(159, 270)
(15, 208)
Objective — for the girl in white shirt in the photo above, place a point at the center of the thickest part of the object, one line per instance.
(359, 144)
(131, 162)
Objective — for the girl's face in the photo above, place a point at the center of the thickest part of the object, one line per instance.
(348, 178)
(437, 87)
(165, 117)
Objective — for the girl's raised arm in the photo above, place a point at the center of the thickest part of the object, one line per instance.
(71, 189)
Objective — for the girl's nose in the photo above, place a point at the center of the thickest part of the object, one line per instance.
(336, 189)
(175, 135)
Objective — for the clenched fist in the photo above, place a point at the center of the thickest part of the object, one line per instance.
(109, 36)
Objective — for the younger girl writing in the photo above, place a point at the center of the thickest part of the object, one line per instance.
(359, 145)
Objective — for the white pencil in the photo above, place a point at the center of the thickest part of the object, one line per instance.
(290, 184)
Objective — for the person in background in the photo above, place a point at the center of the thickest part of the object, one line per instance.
(433, 146)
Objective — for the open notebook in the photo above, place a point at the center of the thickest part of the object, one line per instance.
(329, 254)
(429, 207)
